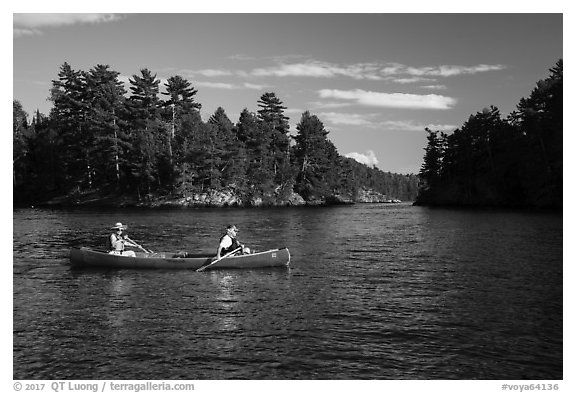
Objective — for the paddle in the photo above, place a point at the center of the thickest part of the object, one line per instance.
(219, 259)
(139, 246)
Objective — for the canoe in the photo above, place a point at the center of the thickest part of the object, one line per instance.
(86, 257)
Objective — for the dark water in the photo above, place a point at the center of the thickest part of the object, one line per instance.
(373, 292)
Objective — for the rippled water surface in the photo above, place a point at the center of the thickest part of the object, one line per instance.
(373, 292)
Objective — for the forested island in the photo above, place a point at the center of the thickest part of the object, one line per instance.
(103, 145)
(491, 161)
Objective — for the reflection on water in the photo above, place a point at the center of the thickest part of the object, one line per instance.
(373, 292)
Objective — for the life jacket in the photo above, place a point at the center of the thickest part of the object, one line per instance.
(111, 246)
(232, 247)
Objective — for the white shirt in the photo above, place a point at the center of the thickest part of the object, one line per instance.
(226, 241)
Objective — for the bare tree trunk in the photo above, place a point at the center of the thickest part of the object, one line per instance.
(116, 149)
(89, 171)
(172, 133)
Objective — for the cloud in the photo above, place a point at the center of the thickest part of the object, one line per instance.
(393, 72)
(24, 32)
(351, 119)
(409, 125)
(29, 24)
(452, 70)
(319, 69)
(314, 69)
(217, 85)
(371, 71)
(369, 158)
(254, 86)
(230, 86)
(212, 72)
(390, 100)
(370, 121)
(434, 87)
(413, 79)
(442, 127)
(326, 105)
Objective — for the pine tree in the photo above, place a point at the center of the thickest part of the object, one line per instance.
(275, 124)
(314, 157)
(107, 123)
(227, 148)
(180, 102)
(144, 102)
(539, 118)
(145, 130)
(430, 172)
(259, 165)
(68, 116)
(20, 147)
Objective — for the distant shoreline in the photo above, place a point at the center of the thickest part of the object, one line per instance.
(211, 199)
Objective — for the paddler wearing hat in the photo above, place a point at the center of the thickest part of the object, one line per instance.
(118, 240)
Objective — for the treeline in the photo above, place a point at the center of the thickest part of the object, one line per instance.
(146, 143)
(493, 161)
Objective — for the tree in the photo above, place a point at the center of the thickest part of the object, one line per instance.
(227, 149)
(20, 147)
(69, 95)
(97, 139)
(539, 118)
(314, 157)
(275, 124)
(144, 102)
(107, 124)
(494, 161)
(145, 130)
(180, 102)
(259, 164)
(431, 170)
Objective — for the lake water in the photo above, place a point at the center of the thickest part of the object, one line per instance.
(373, 291)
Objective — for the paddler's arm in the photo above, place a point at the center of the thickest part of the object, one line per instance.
(220, 247)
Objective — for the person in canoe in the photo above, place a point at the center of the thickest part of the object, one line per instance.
(119, 240)
(229, 242)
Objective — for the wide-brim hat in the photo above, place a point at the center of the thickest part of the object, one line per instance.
(119, 226)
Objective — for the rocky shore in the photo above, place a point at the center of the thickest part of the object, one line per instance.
(212, 198)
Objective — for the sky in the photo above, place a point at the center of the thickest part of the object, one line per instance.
(375, 80)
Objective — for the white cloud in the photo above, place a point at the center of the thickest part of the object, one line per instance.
(434, 87)
(319, 69)
(230, 86)
(217, 85)
(327, 105)
(313, 69)
(403, 125)
(295, 110)
(370, 120)
(452, 70)
(371, 71)
(442, 127)
(351, 119)
(369, 158)
(390, 100)
(23, 32)
(409, 125)
(413, 79)
(393, 72)
(213, 73)
(27, 24)
(253, 86)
